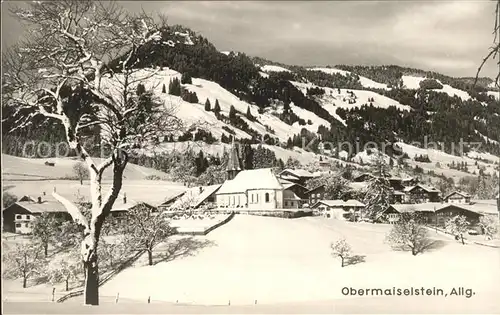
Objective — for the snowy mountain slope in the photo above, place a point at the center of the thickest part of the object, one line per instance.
(438, 156)
(195, 114)
(412, 82)
(332, 99)
(363, 80)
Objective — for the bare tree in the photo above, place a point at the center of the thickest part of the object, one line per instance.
(489, 224)
(8, 199)
(494, 50)
(23, 261)
(146, 229)
(457, 226)
(409, 233)
(65, 268)
(341, 249)
(81, 171)
(44, 230)
(77, 66)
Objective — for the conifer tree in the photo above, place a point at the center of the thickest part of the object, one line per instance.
(207, 105)
(232, 113)
(249, 114)
(217, 107)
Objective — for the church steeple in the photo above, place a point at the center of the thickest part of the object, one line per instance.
(233, 164)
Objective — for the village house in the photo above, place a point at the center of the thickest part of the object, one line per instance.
(458, 197)
(339, 209)
(18, 217)
(298, 176)
(316, 194)
(437, 214)
(195, 198)
(421, 194)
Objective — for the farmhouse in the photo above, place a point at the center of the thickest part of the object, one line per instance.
(298, 176)
(458, 197)
(194, 198)
(392, 212)
(421, 193)
(19, 217)
(316, 194)
(338, 209)
(436, 213)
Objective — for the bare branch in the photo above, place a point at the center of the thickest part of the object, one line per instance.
(72, 209)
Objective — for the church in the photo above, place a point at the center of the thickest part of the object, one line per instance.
(257, 191)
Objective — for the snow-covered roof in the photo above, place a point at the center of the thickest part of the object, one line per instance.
(195, 196)
(424, 187)
(339, 203)
(297, 172)
(358, 185)
(437, 206)
(262, 178)
(426, 206)
(461, 193)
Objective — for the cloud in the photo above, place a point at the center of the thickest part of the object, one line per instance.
(446, 36)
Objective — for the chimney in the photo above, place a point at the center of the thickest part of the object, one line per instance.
(39, 199)
(44, 193)
(124, 197)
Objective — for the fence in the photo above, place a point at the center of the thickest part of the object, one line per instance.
(210, 229)
(105, 278)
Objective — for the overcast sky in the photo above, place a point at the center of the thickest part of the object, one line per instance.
(450, 37)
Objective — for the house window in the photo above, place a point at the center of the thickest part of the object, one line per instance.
(27, 217)
(286, 203)
(18, 225)
(19, 217)
(257, 197)
(239, 202)
(267, 197)
(26, 224)
(252, 198)
(234, 201)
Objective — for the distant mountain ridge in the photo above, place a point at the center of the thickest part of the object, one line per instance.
(355, 104)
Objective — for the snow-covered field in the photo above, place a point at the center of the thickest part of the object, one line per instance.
(276, 260)
(332, 99)
(18, 168)
(412, 82)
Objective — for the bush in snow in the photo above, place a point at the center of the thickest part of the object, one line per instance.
(410, 233)
(457, 226)
(489, 225)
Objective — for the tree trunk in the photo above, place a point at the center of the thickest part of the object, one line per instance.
(342, 261)
(46, 249)
(91, 272)
(462, 237)
(67, 284)
(81, 181)
(150, 257)
(25, 279)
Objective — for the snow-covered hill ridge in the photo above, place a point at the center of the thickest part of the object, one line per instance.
(368, 83)
(412, 82)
